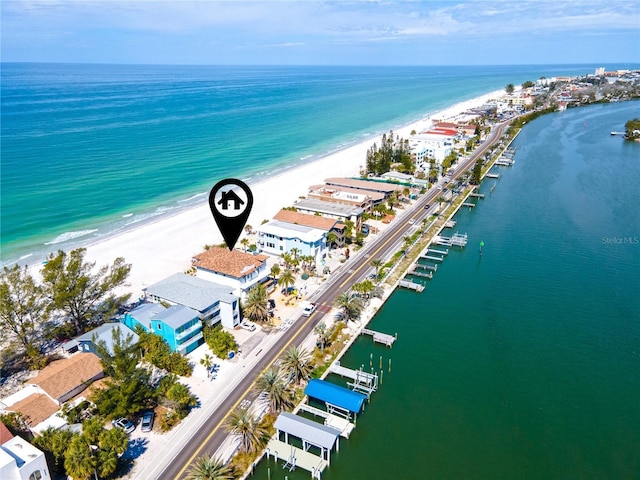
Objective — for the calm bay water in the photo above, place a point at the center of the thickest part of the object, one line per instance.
(521, 363)
(92, 149)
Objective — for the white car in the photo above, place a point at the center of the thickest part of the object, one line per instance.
(248, 326)
(124, 424)
(309, 309)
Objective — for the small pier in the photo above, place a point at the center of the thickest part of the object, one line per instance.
(492, 175)
(411, 285)
(459, 239)
(439, 252)
(295, 457)
(618, 133)
(504, 162)
(467, 204)
(359, 376)
(342, 424)
(450, 224)
(425, 266)
(432, 258)
(414, 271)
(379, 337)
(477, 195)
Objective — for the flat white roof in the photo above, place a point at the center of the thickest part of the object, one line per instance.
(290, 230)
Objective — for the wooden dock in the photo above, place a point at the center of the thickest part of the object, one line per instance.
(450, 224)
(359, 376)
(296, 457)
(492, 175)
(467, 204)
(432, 258)
(477, 195)
(380, 337)
(440, 252)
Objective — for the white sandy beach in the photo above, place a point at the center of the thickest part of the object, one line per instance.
(159, 249)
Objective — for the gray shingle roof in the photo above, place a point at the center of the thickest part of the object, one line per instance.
(145, 312)
(176, 316)
(191, 292)
(104, 333)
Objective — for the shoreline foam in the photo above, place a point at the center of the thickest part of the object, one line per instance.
(161, 245)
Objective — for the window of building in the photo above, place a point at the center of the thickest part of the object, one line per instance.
(37, 475)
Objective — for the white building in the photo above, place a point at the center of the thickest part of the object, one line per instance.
(19, 460)
(213, 302)
(235, 269)
(276, 237)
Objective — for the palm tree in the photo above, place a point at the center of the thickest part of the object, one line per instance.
(323, 335)
(286, 279)
(208, 468)
(248, 229)
(207, 362)
(275, 270)
(350, 305)
(78, 460)
(252, 434)
(296, 364)
(331, 238)
(272, 382)
(377, 264)
(245, 243)
(256, 306)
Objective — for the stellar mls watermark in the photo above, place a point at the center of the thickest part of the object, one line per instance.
(620, 240)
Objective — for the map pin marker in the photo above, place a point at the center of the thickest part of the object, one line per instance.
(230, 201)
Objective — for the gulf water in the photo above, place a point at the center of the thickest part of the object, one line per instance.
(89, 150)
(522, 362)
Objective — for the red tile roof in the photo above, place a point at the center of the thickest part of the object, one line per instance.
(5, 434)
(313, 221)
(233, 263)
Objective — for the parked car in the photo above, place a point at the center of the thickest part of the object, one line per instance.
(124, 424)
(309, 309)
(248, 326)
(147, 421)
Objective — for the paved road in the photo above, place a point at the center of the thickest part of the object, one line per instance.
(212, 433)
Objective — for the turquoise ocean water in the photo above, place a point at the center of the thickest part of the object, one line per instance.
(521, 363)
(88, 150)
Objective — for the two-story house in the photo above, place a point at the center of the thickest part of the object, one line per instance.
(234, 268)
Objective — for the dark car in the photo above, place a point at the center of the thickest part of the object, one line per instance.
(427, 206)
(147, 421)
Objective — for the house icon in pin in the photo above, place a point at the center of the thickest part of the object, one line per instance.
(230, 196)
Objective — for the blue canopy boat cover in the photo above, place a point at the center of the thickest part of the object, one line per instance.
(335, 395)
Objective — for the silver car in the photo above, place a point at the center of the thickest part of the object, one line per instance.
(147, 421)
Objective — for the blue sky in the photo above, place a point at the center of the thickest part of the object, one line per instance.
(326, 33)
